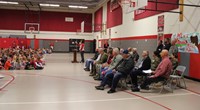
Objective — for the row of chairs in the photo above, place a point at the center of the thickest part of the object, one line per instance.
(176, 79)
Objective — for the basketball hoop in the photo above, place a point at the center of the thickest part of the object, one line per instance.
(32, 30)
(126, 4)
(129, 6)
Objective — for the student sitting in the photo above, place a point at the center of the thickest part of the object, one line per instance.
(38, 64)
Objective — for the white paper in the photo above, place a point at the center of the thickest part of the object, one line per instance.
(147, 71)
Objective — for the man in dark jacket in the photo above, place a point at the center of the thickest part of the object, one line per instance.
(124, 68)
(138, 71)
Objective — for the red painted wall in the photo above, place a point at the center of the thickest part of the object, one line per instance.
(194, 66)
(114, 18)
(12, 20)
(98, 17)
(152, 5)
(49, 21)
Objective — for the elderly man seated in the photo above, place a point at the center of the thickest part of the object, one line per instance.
(103, 58)
(91, 60)
(122, 70)
(107, 68)
(161, 73)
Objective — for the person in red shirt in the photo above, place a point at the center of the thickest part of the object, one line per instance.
(8, 64)
(82, 50)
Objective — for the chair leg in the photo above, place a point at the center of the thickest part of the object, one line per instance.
(184, 83)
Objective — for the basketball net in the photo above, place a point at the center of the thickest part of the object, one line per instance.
(32, 30)
(127, 5)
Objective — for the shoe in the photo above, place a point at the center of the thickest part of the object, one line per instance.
(91, 74)
(135, 89)
(86, 69)
(111, 91)
(145, 89)
(99, 87)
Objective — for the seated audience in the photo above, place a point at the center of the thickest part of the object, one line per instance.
(122, 70)
(108, 68)
(135, 55)
(161, 73)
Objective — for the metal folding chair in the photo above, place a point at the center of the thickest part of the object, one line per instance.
(178, 76)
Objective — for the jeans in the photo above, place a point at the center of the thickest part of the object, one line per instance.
(134, 73)
(112, 79)
(88, 62)
(82, 56)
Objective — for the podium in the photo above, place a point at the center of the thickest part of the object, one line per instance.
(75, 56)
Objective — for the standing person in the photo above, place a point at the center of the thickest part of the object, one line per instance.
(106, 45)
(160, 46)
(167, 44)
(51, 46)
(82, 50)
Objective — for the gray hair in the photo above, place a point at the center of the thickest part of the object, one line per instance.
(116, 50)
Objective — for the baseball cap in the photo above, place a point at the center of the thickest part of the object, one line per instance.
(125, 52)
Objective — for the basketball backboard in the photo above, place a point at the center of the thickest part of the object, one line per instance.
(32, 28)
(129, 6)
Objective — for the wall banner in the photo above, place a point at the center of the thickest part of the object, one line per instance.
(187, 42)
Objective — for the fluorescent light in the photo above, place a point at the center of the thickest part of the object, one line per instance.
(74, 6)
(5, 2)
(52, 5)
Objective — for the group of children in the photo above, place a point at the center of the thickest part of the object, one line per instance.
(22, 59)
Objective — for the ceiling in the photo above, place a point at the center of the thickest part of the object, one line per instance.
(34, 5)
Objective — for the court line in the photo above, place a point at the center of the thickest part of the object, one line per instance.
(130, 93)
(87, 101)
(10, 81)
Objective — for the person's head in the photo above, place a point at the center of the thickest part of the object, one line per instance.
(156, 54)
(115, 51)
(125, 54)
(109, 50)
(129, 49)
(121, 50)
(164, 53)
(145, 54)
(134, 50)
(173, 42)
(101, 50)
(167, 40)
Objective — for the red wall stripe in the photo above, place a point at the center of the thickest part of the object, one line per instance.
(114, 18)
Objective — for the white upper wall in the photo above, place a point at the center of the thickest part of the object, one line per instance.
(148, 26)
(51, 35)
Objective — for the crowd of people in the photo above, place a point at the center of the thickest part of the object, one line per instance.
(109, 65)
(22, 59)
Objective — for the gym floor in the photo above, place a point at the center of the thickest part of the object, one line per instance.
(63, 85)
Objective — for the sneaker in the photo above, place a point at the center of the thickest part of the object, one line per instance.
(86, 69)
(135, 89)
(1, 76)
(111, 91)
(145, 89)
(99, 87)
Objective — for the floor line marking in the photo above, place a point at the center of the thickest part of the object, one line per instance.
(86, 101)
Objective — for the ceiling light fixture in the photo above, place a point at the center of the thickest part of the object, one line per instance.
(74, 6)
(5, 2)
(52, 5)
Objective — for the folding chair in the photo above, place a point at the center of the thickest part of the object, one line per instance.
(178, 76)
